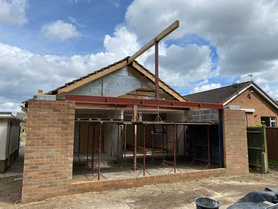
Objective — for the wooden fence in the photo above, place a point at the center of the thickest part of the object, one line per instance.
(272, 143)
(256, 145)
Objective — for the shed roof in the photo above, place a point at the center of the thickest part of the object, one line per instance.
(8, 115)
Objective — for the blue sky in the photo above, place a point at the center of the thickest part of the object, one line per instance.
(44, 44)
(87, 16)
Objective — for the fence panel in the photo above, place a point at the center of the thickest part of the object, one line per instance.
(272, 143)
(256, 145)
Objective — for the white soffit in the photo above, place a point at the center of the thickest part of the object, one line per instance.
(249, 110)
(258, 90)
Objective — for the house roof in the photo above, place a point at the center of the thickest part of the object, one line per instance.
(226, 94)
(109, 69)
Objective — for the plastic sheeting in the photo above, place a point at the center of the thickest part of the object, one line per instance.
(255, 199)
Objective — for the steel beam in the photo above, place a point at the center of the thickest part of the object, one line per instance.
(84, 100)
(156, 70)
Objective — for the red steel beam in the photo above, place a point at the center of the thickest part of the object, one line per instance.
(156, 70)
(84, 100)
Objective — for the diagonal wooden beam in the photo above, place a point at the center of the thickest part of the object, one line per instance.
(92, 77)
(159, 37)
(161, 84)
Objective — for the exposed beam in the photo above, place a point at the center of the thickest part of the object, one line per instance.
(159, 37)
(119, 101)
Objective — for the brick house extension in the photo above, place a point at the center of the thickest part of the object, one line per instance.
(259, 107)
(87, 135)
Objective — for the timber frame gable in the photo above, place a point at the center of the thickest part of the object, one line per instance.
(110, 69)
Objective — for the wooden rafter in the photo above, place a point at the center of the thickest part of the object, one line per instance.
(92, 78)
(159, 37)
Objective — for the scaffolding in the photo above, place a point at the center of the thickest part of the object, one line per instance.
(195, 144)
(122, 104)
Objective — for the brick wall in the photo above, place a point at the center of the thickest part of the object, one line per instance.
(49, 149)
(260, 104)
(88, 186)
(49, 154)
(235, 142)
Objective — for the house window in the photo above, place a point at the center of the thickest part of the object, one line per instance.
(269, 121)
(272, 122)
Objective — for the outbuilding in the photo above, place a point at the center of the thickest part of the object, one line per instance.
(9, 139)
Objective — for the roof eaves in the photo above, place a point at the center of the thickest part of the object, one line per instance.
(243, 87)
(264, 94)
(258, 89)
(55, 91)
(233, 96)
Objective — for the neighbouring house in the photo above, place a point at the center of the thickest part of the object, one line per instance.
(107, 130)
(9, 139)
(259, 107)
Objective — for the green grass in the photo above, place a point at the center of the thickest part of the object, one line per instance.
(22, 137)
(273, 162)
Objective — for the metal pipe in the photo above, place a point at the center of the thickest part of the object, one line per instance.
(174, 133)
(88, 144)
(93, 151)
(156, 70)
(125, 146)
(134, 149)
(99, 150)
(193, 146)
(184, 141)
(153, 145)
(163, 148)
(118, 143)
(220, 132)
(208, 147)
(144, 154)
(167, 141)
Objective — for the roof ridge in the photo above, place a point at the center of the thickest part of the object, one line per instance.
(250, 82)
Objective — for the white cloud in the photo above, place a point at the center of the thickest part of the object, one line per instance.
(272, 93)
(60, 30)
(9, 107)
(115, 3)
(123, 42)
(244, 32)
(13, 12)
(23, 73)
(77, 1)
(205, 87)
(181, 65)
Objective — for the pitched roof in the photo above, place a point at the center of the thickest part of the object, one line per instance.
(109, 69)
(225, 94)
(219, 95)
